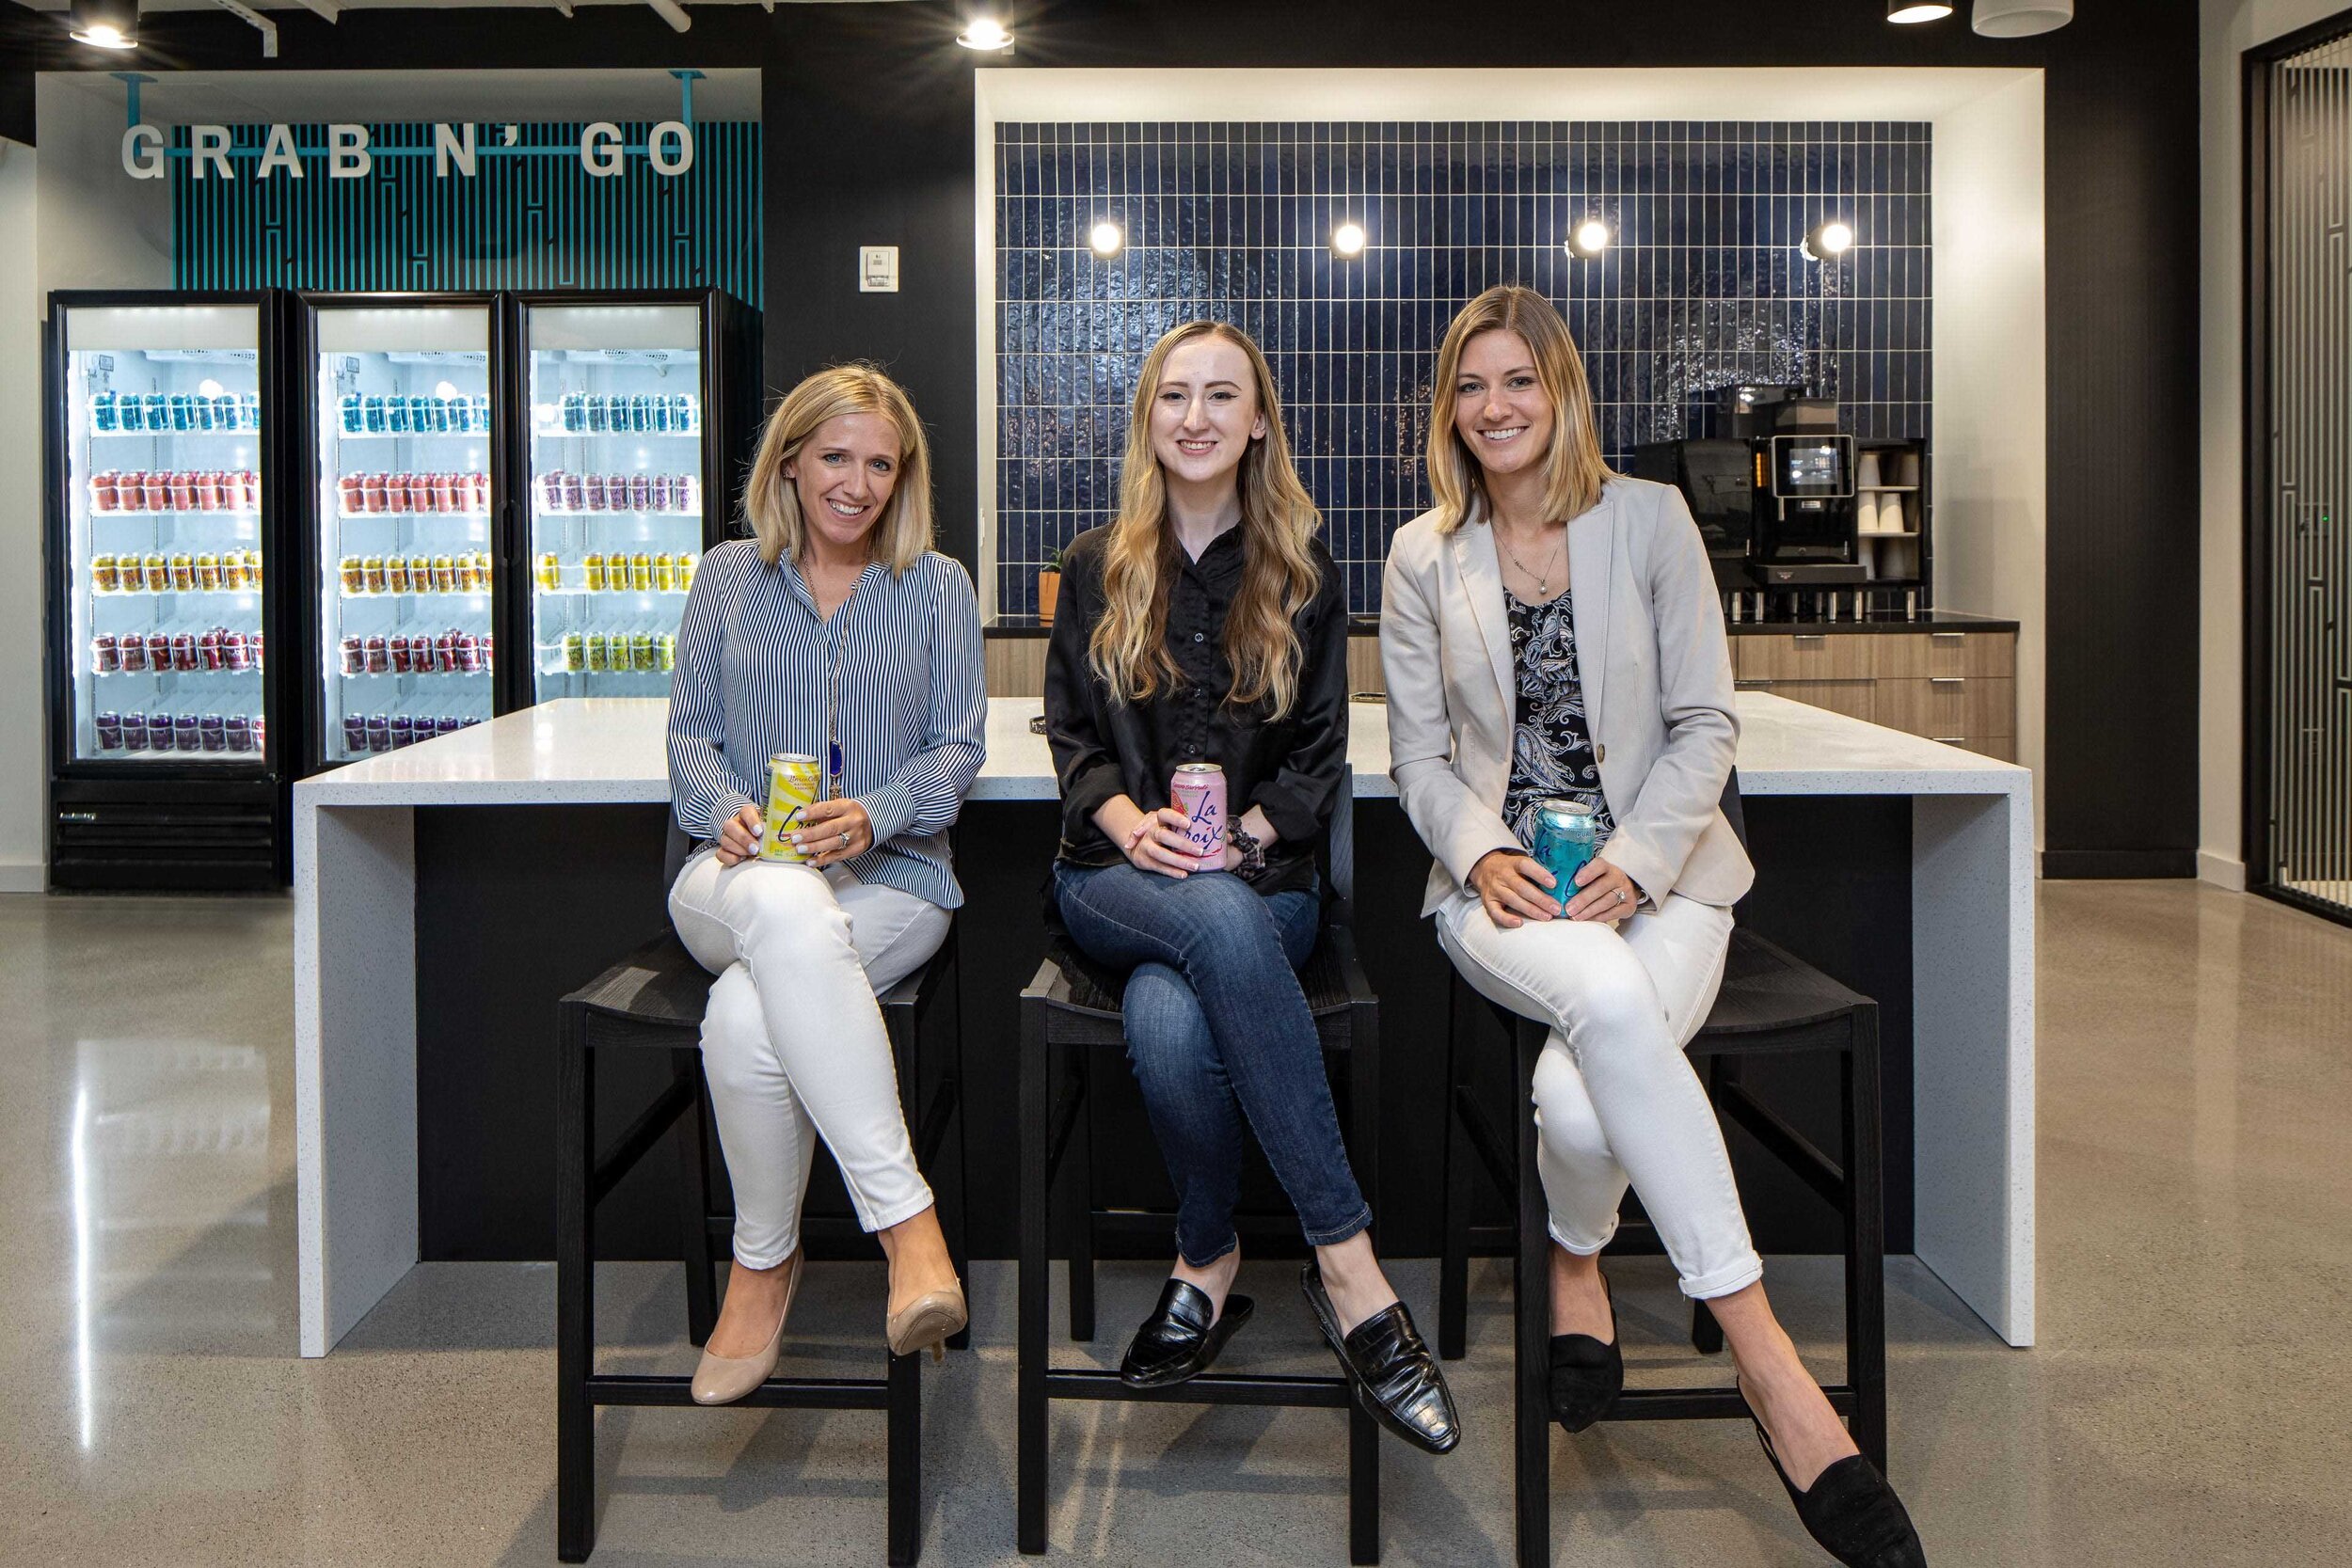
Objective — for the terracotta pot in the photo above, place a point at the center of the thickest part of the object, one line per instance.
(1048, 589)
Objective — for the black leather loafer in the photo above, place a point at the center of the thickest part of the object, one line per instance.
(1586, 1375)
(1849, 1511)
(1178, 1340)
(1396, 1380)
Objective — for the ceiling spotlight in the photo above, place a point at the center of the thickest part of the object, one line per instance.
(1106, 238)
(106, 24)
(1917, 10)
(1348, 240)
(987, 34)
(1828, 240)
(2017, 19)
(1589, 238)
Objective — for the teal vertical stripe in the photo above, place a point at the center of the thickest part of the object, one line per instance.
(538, 221)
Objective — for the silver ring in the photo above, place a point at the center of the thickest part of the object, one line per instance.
(845, 844)
(1621, 895)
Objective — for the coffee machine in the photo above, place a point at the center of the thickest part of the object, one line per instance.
(1774, 498)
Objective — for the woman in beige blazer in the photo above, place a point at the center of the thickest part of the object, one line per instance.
(1550, 630)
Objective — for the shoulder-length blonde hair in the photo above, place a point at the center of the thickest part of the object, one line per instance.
(903, 532)
(1279, 577)
(1573, 470)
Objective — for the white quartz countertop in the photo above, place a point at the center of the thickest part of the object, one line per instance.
(586, 751)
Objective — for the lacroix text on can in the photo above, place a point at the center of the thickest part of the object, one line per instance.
(792, 789)
(1199, 791)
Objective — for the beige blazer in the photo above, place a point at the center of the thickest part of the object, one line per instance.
(1656, 668)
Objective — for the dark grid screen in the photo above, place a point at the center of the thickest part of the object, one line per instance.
(1706, 285)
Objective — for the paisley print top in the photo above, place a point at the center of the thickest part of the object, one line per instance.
(1551, 750)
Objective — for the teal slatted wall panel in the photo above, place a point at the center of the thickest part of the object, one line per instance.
(531, 221)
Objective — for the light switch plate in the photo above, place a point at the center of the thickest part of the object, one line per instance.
(878, 269)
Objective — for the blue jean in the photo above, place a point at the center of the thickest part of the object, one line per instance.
(1218, 1031)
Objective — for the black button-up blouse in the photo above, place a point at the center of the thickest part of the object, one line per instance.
(1288, 768)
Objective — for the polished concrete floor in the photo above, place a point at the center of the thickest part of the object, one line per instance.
(2186, 1404)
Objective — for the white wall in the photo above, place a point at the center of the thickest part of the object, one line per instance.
(1992, 449)
(24, 750)
(2228, 28)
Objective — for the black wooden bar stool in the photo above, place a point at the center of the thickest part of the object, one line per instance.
(1770, 1004)
(1070, 1012)
(652, 1000)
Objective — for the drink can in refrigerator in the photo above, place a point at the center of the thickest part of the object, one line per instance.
(640, 493)
(101, 412)
(449, 414)
(129, 413)
(575, 491)
(665, 650)
(548, 571)
(791, 790)
(249, 491)
(396, 652)
(240, 733)
(444, 575)
(109, 732)
(447, 723)
(401, 730)
(236, 651)
(593, 488)
(640, 412)
(372, 571)
(106, 659)
(157, 410)
(379, 657)
(213, 733)
(180, 411)
(205, 418)
(208, 572)
(347, 411)
(104, 576)
(575, 653)
(397, 577)
(422, 412)
(226, 412)
(396, 415)
(183, 573)
(681, 412)
(470, 572)
(573, 412)
(354, 733)
(184, 733)
(183, 654)
(131, 491)
(208, 654)
(1199, 791)
(489, 650)
(106, 492)
(396, 493)
(180, 490)
(640, 654)
(211, 490)
(134, 732)
(665, 573)
(132, 651)
(469, 653)
(591, 570)
(661, 414)
(550, 486)
(478, 494)
(445, 652)
(593, 419)
(379, 733)
(355, 575)
(158, 569)
(374, 492)
(155, 490)
(159, 732)
(641, 571)
(445, 493)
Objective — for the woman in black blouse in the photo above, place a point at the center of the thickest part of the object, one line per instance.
(1208, 623)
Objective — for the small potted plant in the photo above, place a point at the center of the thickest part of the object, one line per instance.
(1048, 587)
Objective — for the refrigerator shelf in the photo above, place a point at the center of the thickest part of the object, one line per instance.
(215, 433)
(169, 592)
(695, 513)
(611, 592)
(412, 675)
(218, 514)
(410, 434)
(405, 516)
(444, 594)
(694, 434)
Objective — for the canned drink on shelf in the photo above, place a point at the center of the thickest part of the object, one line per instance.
(396, 577)
(155, 407)
(371, 574)
(208, 572)
(204, 417)
(448, 724)
(422, 412)
(681, 412)
(184, 733)
(574, 651)
(180, 412)
(640, 412)
(596, 418)
(397, 494)
(575, 491)
(158, 569)
(445, 652)
(599, 651)
(104, 576)
(401, 731)
(641, 571)
(371, 417)
(572, 412)
(348, 415)
(489, 646)
(396, 415)
(211, 491)
(208, 654)
(374, 496)
(130, 575)
(213, 733)
(449, 413)
(106, 493)
(236, 651)
(665, 573)
(792, 789)
(248, 490)
(183, 573)
(159, 733)
(355, 732)
(184, 652)
(445, 493)
(478, 411)
(106, 659)
(469, 574)
(641, 654)
(134, 732)
(248, 410)
(548, 571)
(130, 412)
(260, 734)
(132, 651)
(155, 490)
(640, 493)
(240, 732)
(665, 651)
(591, 570)
(131, 491)
(549, 487)
(102, 411)
(444, 575)
(478, 494)
(349, 501)
(397, 654)
(592, 493)
(379, 732)
(379, 657)
(469, 652)
(253, 569)
(180, 490)
(109, 726)
(686, 565)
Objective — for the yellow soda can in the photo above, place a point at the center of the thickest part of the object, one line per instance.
(791, 789)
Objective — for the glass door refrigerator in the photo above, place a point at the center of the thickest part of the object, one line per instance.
(163, 417)
(401, 467)
(629, 426)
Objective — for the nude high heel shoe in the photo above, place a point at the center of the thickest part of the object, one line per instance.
(724, 1379)
(925, 1323)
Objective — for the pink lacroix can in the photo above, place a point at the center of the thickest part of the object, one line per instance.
(1199, 791)
(155, 490)
(478, 494)
(212, 486)
(180, 489)
(373, 494)
(249, 499)
(106, 492)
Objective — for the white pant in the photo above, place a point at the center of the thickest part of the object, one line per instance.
(1614, 1095)
(793, 1045)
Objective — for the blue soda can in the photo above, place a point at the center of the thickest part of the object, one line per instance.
(420, 409)
(158, 411)
(661, 414)
(182, 408)
(396, 415)
(249, 410)
(348, 409)
(574, 412)
(478, 412)
(681, 412)
(640, 412)
(372, 412)
(449, 413)
(1565, 837)
(227, 412)
(598, 417)
(102, 411)
(202, 416)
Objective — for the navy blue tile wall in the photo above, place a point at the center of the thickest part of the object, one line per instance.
(1706, 285)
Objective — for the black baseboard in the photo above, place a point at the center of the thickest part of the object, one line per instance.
(2066, 866)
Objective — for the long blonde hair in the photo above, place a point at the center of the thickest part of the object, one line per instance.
(1279, 577)
(1573, 470)
(903, 532)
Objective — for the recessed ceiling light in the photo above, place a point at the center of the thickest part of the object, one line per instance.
(106, 24)
(1348, 240)
(1917, 10)
(1107, 238)
(1830, 239)
(1589, 238)
(987, 34)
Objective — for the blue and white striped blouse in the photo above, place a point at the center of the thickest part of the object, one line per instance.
(755, 661)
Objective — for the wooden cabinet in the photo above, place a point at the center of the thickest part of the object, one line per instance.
(1956, 686)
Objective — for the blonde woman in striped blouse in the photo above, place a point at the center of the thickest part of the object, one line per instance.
(838, 633)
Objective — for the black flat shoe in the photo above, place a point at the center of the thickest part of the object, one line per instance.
(1849, 1510)
(1178, 1341)
(1396, 1380)
(1586, 1375)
